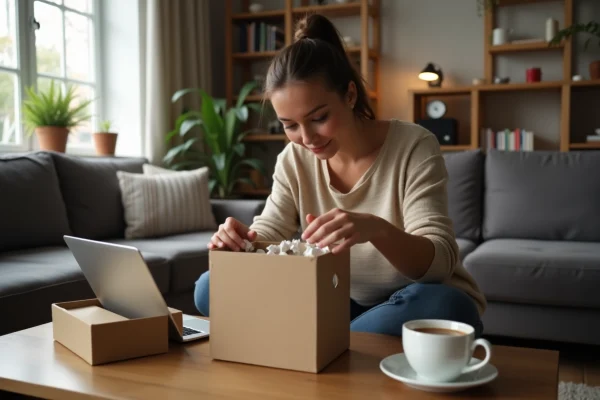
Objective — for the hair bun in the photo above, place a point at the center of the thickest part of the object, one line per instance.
(316, 26)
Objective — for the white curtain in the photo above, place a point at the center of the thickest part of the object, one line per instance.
(177, 56)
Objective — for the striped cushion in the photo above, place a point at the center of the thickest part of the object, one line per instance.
(160, 203)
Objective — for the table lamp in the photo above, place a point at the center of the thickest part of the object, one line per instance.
(432, 74)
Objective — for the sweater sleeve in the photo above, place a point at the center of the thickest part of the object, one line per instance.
(279, 218)
(425, 206)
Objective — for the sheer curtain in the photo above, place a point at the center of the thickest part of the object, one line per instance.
(177, 56)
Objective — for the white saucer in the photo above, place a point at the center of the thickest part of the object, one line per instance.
(396, 367)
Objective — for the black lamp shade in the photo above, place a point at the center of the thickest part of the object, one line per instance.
(432, 74)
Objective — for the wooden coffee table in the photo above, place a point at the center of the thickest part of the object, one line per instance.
(32, 363)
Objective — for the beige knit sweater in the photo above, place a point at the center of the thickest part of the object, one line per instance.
(406, 185)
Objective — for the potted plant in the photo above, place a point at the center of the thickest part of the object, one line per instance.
(592, 28)
(105, 141)
(220, 131)
(52, 114)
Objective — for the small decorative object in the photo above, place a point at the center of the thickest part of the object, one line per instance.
(349, 41)
(52, 114)
(255, 7)
(478, 81)
(551, 29)
(533, 74)
(274, 126)
(500, 80)
(500, 36)
(105, 141)
(436, 109)
(432, 74)
(592, 28)
(577, 78)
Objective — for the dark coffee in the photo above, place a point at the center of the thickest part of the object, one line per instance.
(441, 331)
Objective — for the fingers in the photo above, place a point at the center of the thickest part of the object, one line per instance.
(231, 235)
(317, 223)
(346, 244)
(346, 230)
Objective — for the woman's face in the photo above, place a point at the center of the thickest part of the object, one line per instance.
(313, 116)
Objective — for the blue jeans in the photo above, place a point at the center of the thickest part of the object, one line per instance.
(415, 301)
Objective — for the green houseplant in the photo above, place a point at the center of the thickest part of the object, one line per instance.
(592, 28)
(52, 114)
(105, 141)
(220, 131)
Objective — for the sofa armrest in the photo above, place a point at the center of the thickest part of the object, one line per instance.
(242, 210)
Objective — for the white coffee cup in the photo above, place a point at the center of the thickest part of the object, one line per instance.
(441, 356)
(500, 36)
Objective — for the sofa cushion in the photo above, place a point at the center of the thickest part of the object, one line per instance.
(33, 269)
(465, 246)
(542, 195)
(538, 272)
(92, 195)
(465, 192)
(32, 211)
(187, 254)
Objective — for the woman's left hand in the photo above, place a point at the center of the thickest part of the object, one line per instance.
(337, 225)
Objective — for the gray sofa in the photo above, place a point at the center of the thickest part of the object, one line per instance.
(45, 195)
(529, 233)
(525, 223)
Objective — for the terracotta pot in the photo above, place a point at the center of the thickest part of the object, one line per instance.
(105, 143)
(595, 70)
(52, 138)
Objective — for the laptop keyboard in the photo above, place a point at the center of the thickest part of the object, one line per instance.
(189, 331)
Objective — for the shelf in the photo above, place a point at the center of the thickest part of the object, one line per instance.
(587, 145)
(503, 3)
(255, 192)
(251, 98)
(517, 47)
(452, 91)
(333, 10)
(253, 55)
(266, 137)
(504, 87)
(456, 147)
(272, 14)
(355, 50)
(586, 83)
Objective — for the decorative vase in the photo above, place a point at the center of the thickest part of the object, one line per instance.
(595, 70)
(105, 143)
(52, 138)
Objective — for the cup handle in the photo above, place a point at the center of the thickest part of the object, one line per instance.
(488, 354)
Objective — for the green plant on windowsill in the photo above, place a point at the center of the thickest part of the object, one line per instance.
(52, 114)
(591, 28)
(221, 133)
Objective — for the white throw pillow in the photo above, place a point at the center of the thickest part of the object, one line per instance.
(163, 202)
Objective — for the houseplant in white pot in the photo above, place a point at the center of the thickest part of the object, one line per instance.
(52, 114)
(105, 141)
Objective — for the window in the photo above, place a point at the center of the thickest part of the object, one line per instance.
(41, 41)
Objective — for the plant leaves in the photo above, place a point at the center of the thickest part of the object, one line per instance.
(211, 185)
(219, 160)
(244, 92)
(247, 181)
(251, 162)
(213, 123)
(230, 125)
(239, 148)
(220, 105)
(187, 125)
(242, 113)
(255, 107)
(180, 93)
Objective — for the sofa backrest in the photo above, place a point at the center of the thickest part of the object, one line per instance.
(92, 195)
(32, 211)
(542, 195)
(465, 192)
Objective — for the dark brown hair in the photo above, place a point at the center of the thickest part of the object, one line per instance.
(318, 52)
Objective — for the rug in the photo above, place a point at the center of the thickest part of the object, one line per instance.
(577, 391)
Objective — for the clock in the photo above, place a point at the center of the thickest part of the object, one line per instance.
(436, 109)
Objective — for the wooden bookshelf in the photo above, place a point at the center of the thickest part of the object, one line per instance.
(564, 87)
(366, 13)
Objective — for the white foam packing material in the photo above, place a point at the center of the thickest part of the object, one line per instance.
(294, 247)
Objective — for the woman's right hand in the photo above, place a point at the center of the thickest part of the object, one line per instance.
(231, 235)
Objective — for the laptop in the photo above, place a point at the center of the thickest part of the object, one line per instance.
(122, 282)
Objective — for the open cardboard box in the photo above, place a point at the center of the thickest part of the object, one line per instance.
(100, 336)
(289, 312)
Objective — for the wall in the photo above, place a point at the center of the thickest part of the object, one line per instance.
(450, 33)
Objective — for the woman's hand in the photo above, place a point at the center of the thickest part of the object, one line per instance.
(231, 235)
(346, 227)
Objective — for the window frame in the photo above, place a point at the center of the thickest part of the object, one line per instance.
(27, 69)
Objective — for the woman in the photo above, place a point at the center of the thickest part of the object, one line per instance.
(376, 188)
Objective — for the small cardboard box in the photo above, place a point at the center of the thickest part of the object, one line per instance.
(100, 336)
(290, 312)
